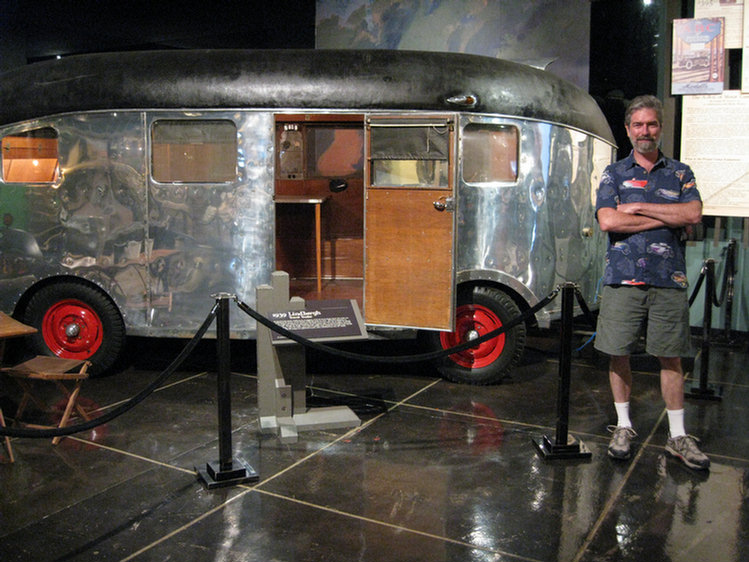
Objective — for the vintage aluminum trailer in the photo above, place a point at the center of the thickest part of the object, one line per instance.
(452, 192)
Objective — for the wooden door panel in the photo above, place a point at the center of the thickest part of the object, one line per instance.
(409, 261)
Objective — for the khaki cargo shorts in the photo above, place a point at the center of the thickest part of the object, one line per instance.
(629, 311)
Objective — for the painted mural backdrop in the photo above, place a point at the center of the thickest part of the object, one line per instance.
(537, 32)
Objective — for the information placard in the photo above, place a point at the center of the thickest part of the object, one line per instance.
(715, 144)
(322, 321)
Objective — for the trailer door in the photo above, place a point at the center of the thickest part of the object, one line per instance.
(409, 222)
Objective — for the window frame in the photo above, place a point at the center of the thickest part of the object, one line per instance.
(25, 133)
(222, 179)
(442, 165)
(488, 126)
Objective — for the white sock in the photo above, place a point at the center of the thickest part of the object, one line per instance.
(676, 423)
(622, 414)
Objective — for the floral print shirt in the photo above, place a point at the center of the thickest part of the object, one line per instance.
(653, 257)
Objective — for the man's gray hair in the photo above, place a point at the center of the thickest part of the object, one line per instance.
(644, 102)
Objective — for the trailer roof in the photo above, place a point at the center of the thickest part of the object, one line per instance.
(305, 79)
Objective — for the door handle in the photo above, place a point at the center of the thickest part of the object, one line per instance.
(445, 204)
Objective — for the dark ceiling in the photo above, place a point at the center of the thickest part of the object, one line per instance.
(48, 28)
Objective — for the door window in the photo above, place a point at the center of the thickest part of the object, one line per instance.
(410, 155)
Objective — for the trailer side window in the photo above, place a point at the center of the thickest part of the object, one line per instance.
(31, 156)
(194, 151)
(410, 156)
(490, 153)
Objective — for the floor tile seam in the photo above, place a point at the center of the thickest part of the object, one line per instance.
(609, 506)
(394, 526)
(712, 455)
(394, 403)
(650, 444)
(350, 433)
(154, 461)
(159, 389)
(689, 375)
(186, 526)
(695, 378)
(347, 435)
(474, 416)
(116, 404)
(113, 484)
(132, 455)
(594, 368)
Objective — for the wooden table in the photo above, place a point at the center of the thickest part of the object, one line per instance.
(317, 202)
(9, 327)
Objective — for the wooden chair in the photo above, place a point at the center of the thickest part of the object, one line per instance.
(10, 328)
(58, 371)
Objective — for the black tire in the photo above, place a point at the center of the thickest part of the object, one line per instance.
(76, 320)
(480, 310)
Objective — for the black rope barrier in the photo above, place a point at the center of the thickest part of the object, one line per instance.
(584, 307)
(418, 358)
(122, 408)
(164, 375)
(728, 282)
(727, 290)
(705, 390)
(697, 285)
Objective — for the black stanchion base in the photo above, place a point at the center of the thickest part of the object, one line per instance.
(239, 473)
(711, 392)
(550, 451)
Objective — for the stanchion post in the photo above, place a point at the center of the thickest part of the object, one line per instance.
(564, 446)
(706, 391)
(227, 471)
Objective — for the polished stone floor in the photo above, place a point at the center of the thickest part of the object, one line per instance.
(436, 471)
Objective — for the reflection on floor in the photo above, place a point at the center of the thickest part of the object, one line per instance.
(436, 472)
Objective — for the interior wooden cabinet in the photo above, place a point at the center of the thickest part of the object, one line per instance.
(320, 157)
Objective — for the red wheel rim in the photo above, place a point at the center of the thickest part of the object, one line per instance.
(474, 321)
(72, 329)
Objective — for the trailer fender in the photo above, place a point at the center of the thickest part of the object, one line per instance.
(525, 298)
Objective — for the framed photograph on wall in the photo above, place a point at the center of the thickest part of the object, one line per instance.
(698, 63)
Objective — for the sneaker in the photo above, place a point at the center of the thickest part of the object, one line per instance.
(620, 448)
(685, 449)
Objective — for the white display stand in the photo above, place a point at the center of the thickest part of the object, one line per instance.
(281, 370)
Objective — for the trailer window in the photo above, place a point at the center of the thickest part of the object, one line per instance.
(490, 153)
(317, 151)
(194, 151)
(335, 152)
(410, 156)
(31, 156)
